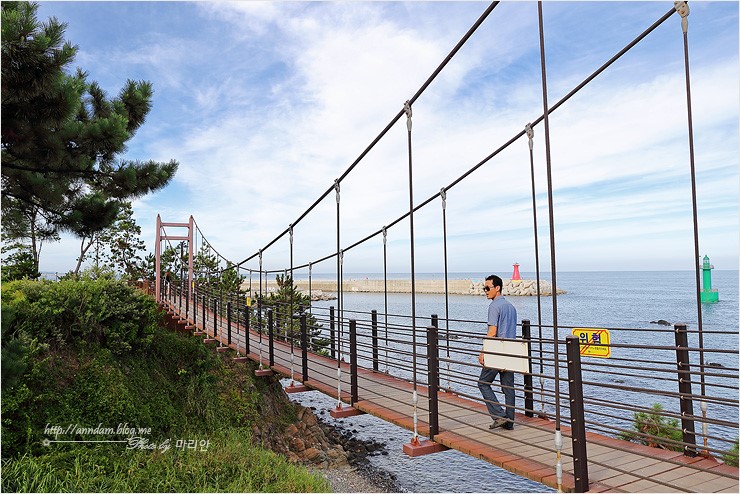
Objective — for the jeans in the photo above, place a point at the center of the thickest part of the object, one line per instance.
(487, 376)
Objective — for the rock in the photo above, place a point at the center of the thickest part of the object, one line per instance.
(662, 322)
(312, 454)
(298, 444)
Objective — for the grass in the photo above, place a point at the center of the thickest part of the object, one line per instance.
(230, 464)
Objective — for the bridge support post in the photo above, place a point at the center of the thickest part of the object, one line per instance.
(340, 412)
(304, 346)
(428, 446)
(374, 334)
(271, 338)
(354, 398)
(684, 390)
(202, 330)
(247, 319)
(228, 323)
(195, 310)
(433, 369)
(577, 422)
(332, 343)
(528, 395)
(299, 388)
(215, 317)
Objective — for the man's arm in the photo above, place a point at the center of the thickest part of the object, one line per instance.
(491, 334)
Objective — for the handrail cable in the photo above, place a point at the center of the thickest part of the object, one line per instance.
(393, 121)
(513, 139)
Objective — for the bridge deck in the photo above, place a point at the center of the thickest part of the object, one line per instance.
(528, 450)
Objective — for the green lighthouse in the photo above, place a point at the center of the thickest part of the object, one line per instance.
(708, 296)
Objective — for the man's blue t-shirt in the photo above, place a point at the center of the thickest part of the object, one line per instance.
(502, 315)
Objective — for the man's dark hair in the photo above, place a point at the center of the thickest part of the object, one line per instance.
(495, 281)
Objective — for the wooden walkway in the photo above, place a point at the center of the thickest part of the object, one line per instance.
(528, 450)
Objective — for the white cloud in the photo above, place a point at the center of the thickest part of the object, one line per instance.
(256, 149)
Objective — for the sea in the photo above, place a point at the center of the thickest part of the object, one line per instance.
(626, 303)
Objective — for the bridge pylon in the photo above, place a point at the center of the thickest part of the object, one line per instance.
(161, 235)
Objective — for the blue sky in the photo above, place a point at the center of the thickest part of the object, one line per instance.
(264, 104)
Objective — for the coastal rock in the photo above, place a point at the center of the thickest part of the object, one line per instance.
(521, 288)
(662, 322)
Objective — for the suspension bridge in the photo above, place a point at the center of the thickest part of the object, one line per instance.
(421, 372)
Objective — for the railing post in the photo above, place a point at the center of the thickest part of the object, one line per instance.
(187, 302)
(332, 343)
(228, 323)
(353, 361)
(528, 395)
(304, 347)
(247, 317)
(195, 310)
(271, 336)
(684, 389)
(577, 422)
(203, 324)
(374, 335)
(433, 366)
(215, 319)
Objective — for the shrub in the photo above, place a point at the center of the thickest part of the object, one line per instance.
(103, 310)
(649, 428)
(730, 457)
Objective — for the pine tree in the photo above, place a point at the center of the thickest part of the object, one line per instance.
(287, 304)
(62, 136)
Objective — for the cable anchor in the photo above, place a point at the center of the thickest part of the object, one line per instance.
(683, 10)
(407, 110)
(443, 195)
(385, 236)
(290, 230)
(530, 135)
(336, 188)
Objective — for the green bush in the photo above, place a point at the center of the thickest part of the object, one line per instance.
(103, 311)
(730, 457)
(650, 428)
(90, 352)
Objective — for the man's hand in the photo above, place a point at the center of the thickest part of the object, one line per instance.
(480, 358)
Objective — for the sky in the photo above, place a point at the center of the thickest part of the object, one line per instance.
(265, 104)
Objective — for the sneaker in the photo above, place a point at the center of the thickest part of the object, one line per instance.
(509, 426)
(498, 422)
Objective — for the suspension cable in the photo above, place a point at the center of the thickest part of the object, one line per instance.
(385, 292)
(443, 196)
(415, 395)
(530, 137)
(683, 9)
(393, 121)
(558, 435)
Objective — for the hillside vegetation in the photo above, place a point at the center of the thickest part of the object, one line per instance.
(90, 355)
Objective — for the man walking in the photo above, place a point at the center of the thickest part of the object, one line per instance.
(501, 324)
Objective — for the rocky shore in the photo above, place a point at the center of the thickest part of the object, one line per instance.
(335, 453)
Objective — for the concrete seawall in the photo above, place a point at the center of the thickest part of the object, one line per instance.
(521, 288)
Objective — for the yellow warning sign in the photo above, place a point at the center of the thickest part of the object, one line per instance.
(249, 301)
(594, 342)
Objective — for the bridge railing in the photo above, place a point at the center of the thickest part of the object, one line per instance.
(645, 393)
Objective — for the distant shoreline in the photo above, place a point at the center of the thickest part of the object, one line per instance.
(454, 287)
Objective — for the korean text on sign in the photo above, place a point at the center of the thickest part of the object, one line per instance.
(594, 342)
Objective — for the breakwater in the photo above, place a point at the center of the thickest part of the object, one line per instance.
(520, 288)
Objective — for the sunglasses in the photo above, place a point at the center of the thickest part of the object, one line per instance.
(487, 288)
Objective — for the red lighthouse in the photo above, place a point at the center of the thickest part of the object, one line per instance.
(516, 276)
